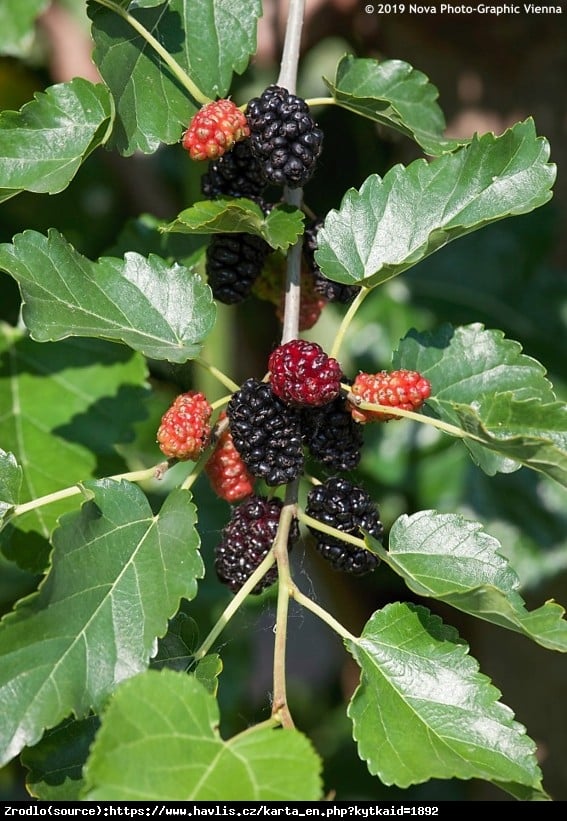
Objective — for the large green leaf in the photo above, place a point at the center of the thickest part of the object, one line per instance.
(17, 18)
(394, 222)
(64, 408)
(395, 94)
(208, 40)
(501, 399)
(423, 710)
(43, 145)
(447, 557)
(165, 725)
(118, 574)
(164, 311)
(280, 227)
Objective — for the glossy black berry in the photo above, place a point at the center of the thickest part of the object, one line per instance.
(346, 507)
(236, 174)
(332, 435)
(325, 287)
(246, 540)
(283, 136)
(266, 432)
(233, 263)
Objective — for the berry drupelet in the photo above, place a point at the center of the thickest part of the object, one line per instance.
(403, 389)
(227, 472)
(301, 374)
(184, 431)
(284, 137)
(342, 505)
(333, 437)
(266, 432)
(246, 540)
(214, 129)
(236, 174)
(233, 263)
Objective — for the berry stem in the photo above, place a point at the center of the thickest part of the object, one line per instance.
(171, 63)
(222, 377)
(319, 611)
(347, 319)
(235, 604)
(290, 56)
(331, 531)
(312, 101)
(446, 427)
(288, 79)
(74, 490)
(280, 706)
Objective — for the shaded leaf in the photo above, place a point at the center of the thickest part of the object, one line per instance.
(484, 384)
(163, 311)
(423, 710)
(152, 106)
(177, 746)
(394, 222)
(447, 557)
(118, 574)
(43, 145)
(64, 409)
(17, 18)
(395, 94)
(56, 763)
(10, 483)
(176, 648)
(281, 227)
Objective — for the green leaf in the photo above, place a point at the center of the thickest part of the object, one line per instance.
(395, 94)
(165, 724)
(163, 311)
(484, 384)
(64, 408)
(117, 576)
(56, 763)
(17, 29)
(176, 648)
(280, 228)
(152, 107)
(447, 557)
(43, 145)
(394, 222)
(423, 710)
(10, 483)
(208, 671)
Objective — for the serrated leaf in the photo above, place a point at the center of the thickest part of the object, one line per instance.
(447, 557)
(394, 222)
(164, 311)
(43, 145)
(17, 18)
(395, 94)
(56, 763)
(210, 41)
(118, 574)
(10, 483)
(178, 748)
(281, 227)
(485, 385)
(423, 710)
(64, 408)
